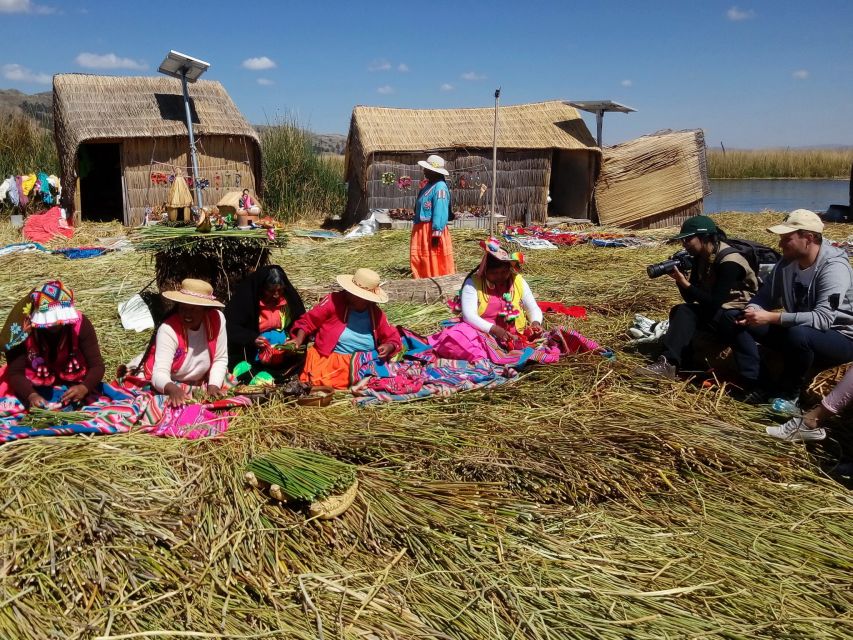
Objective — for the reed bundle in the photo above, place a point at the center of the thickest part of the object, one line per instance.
(650, 176)
(576, 502)
(301, 474)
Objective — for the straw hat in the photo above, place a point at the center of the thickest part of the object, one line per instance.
(194, 292)
(434, 163)
(365, 284)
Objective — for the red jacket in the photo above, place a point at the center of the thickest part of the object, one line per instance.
(328, 319)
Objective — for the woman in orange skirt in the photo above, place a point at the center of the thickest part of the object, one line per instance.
(431, 249)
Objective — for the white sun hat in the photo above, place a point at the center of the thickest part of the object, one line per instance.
(434, 163)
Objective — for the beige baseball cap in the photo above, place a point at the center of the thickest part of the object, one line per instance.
(798, 220)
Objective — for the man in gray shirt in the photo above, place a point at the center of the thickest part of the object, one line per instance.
(813, 287)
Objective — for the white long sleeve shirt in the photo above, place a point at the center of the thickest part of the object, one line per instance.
(470, 306)
(197, 363)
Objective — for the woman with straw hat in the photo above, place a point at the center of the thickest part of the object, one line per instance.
(431, 248)
(190, 348)
(342, 324)
(51, 349)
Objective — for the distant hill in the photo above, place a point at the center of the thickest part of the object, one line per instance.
(38, 106)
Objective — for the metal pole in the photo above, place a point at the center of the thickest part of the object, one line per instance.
(192, 138)
(599, 125)
(494, 163)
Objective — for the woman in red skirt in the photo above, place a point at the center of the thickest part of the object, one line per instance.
(431, 249)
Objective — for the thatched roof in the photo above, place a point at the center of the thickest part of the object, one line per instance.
(92, 107)
(540, 125)
(650, 176)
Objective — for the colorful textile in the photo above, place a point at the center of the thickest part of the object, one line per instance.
(459, 340)
(332, 370)
(116, 409)
(23, 200)
(27, 183)
(427, 260)
(80, 253)
(52, 306)
(44, 227)
(22, 247)
(560, 308)
(44, 188)
(421, 374)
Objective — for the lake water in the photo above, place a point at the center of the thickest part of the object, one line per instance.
(777, 195)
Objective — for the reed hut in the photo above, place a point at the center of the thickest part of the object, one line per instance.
(657, 180)
(542, 147)
(121, 140)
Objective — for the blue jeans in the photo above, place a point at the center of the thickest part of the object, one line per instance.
(801, 348)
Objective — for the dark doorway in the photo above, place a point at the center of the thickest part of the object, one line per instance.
(572, 180)
(99, 168)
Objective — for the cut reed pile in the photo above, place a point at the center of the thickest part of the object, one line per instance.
(578, 502)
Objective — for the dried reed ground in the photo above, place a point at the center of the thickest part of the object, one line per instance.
(577, 502)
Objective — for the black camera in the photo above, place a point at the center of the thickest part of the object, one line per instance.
(682, 260)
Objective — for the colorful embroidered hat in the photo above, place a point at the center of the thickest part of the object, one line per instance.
(52, 306)
(434, 163)
(194, 292)
(492, 246)
(365, 284)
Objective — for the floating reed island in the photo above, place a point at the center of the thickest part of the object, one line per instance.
(576, 502)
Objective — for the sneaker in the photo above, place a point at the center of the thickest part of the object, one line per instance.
(786, 408)
(795, 430)
(659, 369)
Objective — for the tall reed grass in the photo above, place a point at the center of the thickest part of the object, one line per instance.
(26, 148)
(298, 181)
(780, 163)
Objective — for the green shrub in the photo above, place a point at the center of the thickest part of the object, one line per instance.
(299, 182)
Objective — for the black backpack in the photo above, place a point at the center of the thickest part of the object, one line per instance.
(759, 256)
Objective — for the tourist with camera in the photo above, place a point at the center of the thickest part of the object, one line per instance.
(813, 287)
(721, 279)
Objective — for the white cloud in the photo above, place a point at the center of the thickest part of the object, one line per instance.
(17, 73)
(385, 89)
(265, 82)
(627, 83)
(108, 61)
(258, 64)
(472, 75)
(379, 65)
(736, 14)
(800, 74)
(446, 87)
(403, 67)
(24, 6)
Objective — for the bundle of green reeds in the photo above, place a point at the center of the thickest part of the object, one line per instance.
(39, 418)
(301, 474)
(167, 237)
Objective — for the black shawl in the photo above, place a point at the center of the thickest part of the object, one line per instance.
(243, 311)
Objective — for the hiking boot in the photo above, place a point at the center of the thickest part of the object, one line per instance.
(786, 408)
(795, 430)
(661, 368)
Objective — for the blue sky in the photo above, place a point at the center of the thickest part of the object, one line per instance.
(751, 74)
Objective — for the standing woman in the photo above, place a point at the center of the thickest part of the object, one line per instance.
(431, 249)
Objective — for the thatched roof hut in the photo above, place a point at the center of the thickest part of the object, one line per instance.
(120, 139)
(541, 146)
(657, 180)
